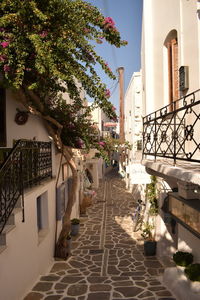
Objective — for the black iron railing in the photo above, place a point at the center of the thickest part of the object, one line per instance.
(4, 152)
(28, 163)
(174, 131)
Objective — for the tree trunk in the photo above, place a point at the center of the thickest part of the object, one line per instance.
(61, 245)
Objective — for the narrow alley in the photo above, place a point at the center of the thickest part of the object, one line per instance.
(107, 261)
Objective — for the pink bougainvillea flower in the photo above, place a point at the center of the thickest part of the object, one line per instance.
(6, 68)
(107, 93)
(32, 56)
(2, 29)
(5, 44)
(102, 143)
(71, 126)
(113, 108)
(79, 143)
(109, 21)
(43, 34)
(107, 66)
(86, 30)
(28, 69)
(3, 57)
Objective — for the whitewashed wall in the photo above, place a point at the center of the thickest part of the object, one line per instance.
(25, 259)
(159, 18)
(29, 255)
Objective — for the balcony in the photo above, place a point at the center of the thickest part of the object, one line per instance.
(171, 140)
(27, 164)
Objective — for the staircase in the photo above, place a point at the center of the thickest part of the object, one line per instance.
(10, 225)
(24, 166)
(4, 153)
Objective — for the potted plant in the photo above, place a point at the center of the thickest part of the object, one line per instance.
(149, 240)
(75, 225)
(148, 232)
(183, 259)
(152, 196)
(192, 272)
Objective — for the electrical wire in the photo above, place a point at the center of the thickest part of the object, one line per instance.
(114, 88)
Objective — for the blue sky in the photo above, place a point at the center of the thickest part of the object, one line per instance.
(127, 15)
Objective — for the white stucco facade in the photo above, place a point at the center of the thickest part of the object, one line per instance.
(161, 17)
(28, 251)
(133, 109)
(164, 22)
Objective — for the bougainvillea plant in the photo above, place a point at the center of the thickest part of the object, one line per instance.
(46, 51)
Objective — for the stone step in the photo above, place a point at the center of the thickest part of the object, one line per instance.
(2, 248)
(5, 231)
(10, 225)
(18, 204)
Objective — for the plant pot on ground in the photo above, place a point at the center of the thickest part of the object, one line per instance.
(182, 259)
(192, 271)
(75, 226)
(149, 242)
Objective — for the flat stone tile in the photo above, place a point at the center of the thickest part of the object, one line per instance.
(105, 246)
(77, 290)
(71, 279)
(100, 288)
(59, 266)
(96, 279)
(50, 278)
(98, 296)
(33, 296)
(42, 286)
(53, 297)
(129, 291)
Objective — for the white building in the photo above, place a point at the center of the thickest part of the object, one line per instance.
(105, 126)
(30, 215)
(135, 172)
(171, 70)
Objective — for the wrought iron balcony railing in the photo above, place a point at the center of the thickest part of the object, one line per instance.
(173, 131)
(28, 163)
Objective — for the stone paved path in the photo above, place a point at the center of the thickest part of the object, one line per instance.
(107, 261)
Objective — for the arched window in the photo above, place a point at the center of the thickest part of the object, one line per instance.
(171, 43)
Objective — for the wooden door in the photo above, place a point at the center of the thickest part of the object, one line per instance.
(173, 71)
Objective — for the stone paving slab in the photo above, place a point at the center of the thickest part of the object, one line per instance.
(107, 261)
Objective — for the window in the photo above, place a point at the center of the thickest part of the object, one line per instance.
(2, 117)
(42, 213)
(171, 43)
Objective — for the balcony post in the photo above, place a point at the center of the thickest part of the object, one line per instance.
(142, 138)
(175, 134)
(155, 136)
(22, 185)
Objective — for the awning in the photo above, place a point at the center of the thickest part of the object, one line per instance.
(110, 124)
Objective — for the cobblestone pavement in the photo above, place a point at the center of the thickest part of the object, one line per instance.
(107, 261)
